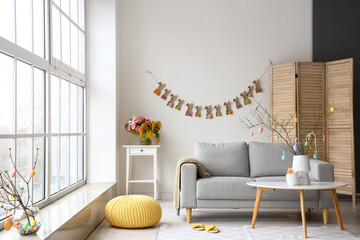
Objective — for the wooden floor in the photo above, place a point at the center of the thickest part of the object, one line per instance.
(350, 215)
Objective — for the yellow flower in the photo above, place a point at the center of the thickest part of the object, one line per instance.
(149, 134)
(143, 129)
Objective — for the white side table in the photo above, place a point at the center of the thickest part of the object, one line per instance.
(141, 150)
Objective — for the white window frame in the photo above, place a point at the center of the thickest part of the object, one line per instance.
(51, 66)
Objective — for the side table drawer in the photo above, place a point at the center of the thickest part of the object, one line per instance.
(142, 151)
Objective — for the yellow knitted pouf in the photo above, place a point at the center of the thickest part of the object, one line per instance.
(133, 211)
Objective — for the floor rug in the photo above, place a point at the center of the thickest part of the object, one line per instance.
(165, 232)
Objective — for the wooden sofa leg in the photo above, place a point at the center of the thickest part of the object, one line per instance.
(188, 215)
(326, 215)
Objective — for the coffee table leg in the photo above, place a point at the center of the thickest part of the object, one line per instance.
(302, 204)
(337, 209)
(326, 215)
(256, 207)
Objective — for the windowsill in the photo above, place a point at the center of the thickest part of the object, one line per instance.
(60, 212)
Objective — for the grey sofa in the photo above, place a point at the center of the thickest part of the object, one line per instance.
(232, 165)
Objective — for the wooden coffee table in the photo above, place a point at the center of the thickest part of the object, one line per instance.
(322, 186)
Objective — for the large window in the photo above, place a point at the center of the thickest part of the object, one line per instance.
(42, 93)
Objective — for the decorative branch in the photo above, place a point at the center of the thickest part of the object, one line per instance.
(281, 127)
(10, 195)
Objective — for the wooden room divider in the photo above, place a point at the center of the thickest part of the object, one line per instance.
(321, 95)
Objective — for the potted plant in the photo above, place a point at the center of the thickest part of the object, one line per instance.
(144, 128)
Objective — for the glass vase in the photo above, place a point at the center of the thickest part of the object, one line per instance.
(28, 224)
(145, 141)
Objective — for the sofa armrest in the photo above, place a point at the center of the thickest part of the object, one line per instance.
(188, 185)
(321, 171)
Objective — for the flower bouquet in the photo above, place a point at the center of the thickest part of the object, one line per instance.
(144, 128)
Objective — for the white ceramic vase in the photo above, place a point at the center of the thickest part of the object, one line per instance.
(301, 164)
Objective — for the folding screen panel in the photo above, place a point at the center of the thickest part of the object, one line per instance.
(311, 105)
(283, 95)
(339, 114)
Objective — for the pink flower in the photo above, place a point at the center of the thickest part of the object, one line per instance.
(129, 128)
(133, 125)
(148, 121)
(137, 120)
(137, 129)
(142, 119)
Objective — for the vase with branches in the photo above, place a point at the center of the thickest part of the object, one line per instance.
(282, 129)
(14, 197)
(261, 117)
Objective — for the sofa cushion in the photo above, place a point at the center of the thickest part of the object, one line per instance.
(224, 159)
(265, 159)
(225, 188)
(280, 194)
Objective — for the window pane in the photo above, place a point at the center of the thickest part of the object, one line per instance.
(65, 116)
(39, 178)
(6, 95)
(80, 158)
(65, 40)
(74, 10)
(23, 159)
(81, 14)
(56, 37)
(73, 108)
(23, 24)
(81, 52)
(74, 47)
(39, 100)
(73, 159)
(7, 24)
(64, 163)
(54, 185)
(5, 163)
(24, 98)
(38, 25)
(80, 110)
(55, 104)
(65, 6)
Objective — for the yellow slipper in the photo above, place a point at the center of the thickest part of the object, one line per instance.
(198, 227)
(212, 229)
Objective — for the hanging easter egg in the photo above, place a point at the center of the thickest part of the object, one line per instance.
(295, 147)
(13, 174)
(283, 156)
(261, 130)
(332, 109)
(11, 196)
(8, 224)
(296, 119)
(276, 137)
(32, 173)
(285, 142)
(315, 156)
(323, 138)
(306, 143)
(251, 134)
(255, 108)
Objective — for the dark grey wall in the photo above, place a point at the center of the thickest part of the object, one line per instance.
(336, 35)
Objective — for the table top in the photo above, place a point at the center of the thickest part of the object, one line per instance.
(141, 146)
(312, 186)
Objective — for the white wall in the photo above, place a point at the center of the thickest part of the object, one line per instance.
(101, 91)
(207, 52)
